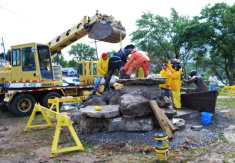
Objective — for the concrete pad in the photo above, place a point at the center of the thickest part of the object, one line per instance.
(196, 128)
(108, 111)
(187, 114)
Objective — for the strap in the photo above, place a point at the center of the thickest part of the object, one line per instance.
(121, 42)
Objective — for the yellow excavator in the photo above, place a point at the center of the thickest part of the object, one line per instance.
(31, 78)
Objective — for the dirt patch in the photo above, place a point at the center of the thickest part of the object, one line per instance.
(34, 146)
(124, 147)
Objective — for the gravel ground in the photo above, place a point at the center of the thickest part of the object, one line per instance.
(184, 137)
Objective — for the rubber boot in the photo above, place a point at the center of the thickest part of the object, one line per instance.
(122, 74)
(93, 93)
(127, 76)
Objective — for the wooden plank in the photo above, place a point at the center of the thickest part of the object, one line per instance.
(161, 119)
(172, 127)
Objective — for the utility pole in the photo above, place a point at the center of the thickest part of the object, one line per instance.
(96, 49)
(4, 54)
(3, 49)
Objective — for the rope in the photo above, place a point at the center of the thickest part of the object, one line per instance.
(121, 41)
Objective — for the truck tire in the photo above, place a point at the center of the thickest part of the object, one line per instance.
(22, 104)
(50, 95)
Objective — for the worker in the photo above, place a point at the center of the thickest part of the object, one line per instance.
(117, 62)
(102, 69)
(198, 80)
(175, 83)
(176, 62)
(165, 73)
(137, 59)
(213, 81)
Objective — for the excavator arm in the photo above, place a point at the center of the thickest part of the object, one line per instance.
(99, 27)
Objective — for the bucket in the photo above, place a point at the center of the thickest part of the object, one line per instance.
(162, 154)
(206, 118)
(161, 140)
(162, 146)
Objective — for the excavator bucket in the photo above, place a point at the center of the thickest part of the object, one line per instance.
(108, 32)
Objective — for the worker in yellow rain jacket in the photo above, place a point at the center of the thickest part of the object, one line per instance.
(102, 69)
(175, 84)
(165, 73)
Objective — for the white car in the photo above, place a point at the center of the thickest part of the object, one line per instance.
(71, 81)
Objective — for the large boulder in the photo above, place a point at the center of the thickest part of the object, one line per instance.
(161, 102)
(108, 111)
(114, 100)
(87, 125)
(148, 91)
(95, 101)
(170, 113)
(134, 105)
(130, 124)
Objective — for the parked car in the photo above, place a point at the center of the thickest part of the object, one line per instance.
(71, 81)
(221, 84)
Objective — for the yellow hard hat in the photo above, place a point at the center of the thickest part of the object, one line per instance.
(98, 108)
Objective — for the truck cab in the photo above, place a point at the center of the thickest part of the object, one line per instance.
(31, 66)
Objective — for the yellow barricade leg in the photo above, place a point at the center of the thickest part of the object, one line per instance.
(37, 109)
(231, 92)
(31, 118)
(75, 137)
(55, 104)
(56, 138)
(225, 90)
(62, 121)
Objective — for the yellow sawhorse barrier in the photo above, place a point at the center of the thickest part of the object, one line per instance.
(62, 121)
(55, 103)
(228, 90)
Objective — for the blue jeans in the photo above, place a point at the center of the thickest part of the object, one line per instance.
(97, 83)
(212, 87)
(167, 92)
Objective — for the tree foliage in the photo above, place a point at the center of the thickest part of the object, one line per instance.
(82, 51)
(160, 37)
(207, 40)
(111, 53)
(60, 59)
(221, 19)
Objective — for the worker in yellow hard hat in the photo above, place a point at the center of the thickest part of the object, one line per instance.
(165, 73)
(175, 83)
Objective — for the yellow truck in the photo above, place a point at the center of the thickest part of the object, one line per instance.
(30, 78)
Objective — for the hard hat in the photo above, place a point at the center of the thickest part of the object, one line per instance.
(98, 108)
(175, 61)
(130, 46)
(104, 55)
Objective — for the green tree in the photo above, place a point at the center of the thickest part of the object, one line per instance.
(111, 53)
(72, 63)
(221, 18)
(61, 60)
(158, 35)
(82, 51)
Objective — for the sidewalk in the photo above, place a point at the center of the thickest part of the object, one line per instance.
(226, 97)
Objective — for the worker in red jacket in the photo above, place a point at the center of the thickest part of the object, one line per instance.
(137, 59)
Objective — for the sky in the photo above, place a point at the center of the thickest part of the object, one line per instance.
(25, 21)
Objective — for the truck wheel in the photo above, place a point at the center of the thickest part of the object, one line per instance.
(22, 104)
(50, 95)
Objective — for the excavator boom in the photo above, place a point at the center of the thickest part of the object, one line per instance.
(99, 27)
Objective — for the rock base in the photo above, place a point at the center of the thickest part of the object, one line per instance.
(130, 124)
